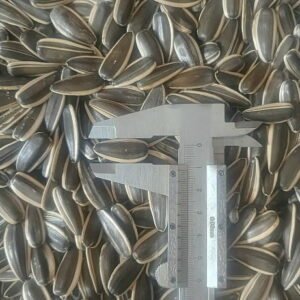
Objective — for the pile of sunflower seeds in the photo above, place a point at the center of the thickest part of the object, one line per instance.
(65, 65)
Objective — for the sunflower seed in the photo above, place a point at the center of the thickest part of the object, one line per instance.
(111, 32)
(16, 250)
(32, 291)
(211, 52)
(27, 188)
(123, 276)
(232, 8)
(123, 11)
(160, 75)
(290, 173)
(36, 91)
(246, 218)
(71, 25)
(58, 237)
(59, 50)
(136, 71)
(68, 210)
(142, 16)
(208, 31)
(254, 78)
(187, 49)
(29, 39)
(270, 113)
(258, 287)
(54, 110)
(78, 85)
(143, 217)
(277, 147)
(291, 270)
(33, 152)
(150, 246)
(92, 231)
(142, 289)
(12, 51)
(158, 207)
(257, 259)
(94, 189)
(291, 62)
(286, 19)
(43, 264)
(35, 231)
(122, 150)
(85, 64)
(11, 14)
(12, 210)
(39, 15)
(115, 233)
(68, 273)
(117, 58)
(164, 31)
(85, 284)
(264, 225)
(229, 95)
(129, 95)
(148, 46)
(264, 31)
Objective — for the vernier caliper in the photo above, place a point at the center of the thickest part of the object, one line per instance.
(196, 187)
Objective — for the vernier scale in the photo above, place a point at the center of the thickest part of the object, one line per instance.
(196, 187)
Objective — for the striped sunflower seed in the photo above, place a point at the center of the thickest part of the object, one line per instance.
(33, 152)
(270, 113)
(36, 91)
(35, 230)
(290, 173)
(68, 273)
(85, 64)
(289, 92)
(136, 71)
(263, 226)
(16, 250)
(290, 231)
(154, 98)
(27, 188)
(71, 25)
(91, 231)
(277, 147)
(122, 11)
(43, 265)
(117, 57)
(164, 31)
(117, 235)
(12, 15)
(32, 291)
(58, 50)
(108, 262)
(208, 31)
(69, 211)
(122, 150)
(150, 246)
(123, 276)
(232, 8)
(160, 75)
(258, 287)
(187, 49)
(148, 46)
(78, 85)
(257, 259)
(264, 32)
